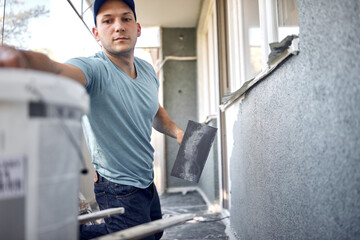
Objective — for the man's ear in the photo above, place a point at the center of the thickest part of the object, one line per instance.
(138, 30)
(96, 33)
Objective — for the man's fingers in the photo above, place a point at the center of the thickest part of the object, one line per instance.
(10, 57)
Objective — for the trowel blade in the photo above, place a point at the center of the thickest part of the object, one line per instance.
(194, 151)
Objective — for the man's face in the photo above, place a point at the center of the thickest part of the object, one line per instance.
(116, 28)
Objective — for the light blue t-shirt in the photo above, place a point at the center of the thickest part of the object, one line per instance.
(119, 125)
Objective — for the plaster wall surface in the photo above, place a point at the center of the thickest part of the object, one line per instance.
(295, 163)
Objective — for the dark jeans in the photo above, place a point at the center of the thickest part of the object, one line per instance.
(141, 206)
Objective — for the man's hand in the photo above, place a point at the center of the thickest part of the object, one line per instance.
(11, 57)
(179, 136)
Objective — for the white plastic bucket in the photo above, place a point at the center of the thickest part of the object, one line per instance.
(40, 135)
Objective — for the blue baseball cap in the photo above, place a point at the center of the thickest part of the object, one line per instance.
(98, 3)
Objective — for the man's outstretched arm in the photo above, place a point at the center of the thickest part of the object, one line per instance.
(11, 57)
(165, 125)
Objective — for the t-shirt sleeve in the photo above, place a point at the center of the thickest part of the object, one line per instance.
(93, 69)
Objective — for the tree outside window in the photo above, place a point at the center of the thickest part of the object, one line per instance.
(15, 18)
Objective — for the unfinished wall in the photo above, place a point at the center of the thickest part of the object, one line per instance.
(180, 101)
(179, 89)
(295, 164)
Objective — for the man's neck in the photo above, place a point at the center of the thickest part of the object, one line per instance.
(125, 63)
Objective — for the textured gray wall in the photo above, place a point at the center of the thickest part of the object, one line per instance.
(180, 89)
(295, 166)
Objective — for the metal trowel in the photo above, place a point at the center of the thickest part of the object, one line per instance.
(194, 151)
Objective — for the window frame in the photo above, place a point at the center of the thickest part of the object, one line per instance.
(207, 62)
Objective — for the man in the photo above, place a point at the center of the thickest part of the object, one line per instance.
(123, 109)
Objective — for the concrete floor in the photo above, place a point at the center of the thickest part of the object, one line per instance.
(207, 226)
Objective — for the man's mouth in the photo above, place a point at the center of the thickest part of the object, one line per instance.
(121, 38)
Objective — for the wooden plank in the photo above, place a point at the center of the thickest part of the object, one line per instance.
(100, 214)
(147, 229)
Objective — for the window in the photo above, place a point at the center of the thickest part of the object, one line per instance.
(287, 14)
(252, 38)
(252, 26)
(17, 18)
(244, 41)
(236, 68)
(42, 26)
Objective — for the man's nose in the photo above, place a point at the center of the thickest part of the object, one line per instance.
(119, 26)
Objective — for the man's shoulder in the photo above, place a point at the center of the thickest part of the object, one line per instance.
(96, 59)
(99, 56)
(147, 70)
(143, 62)
(145, 65)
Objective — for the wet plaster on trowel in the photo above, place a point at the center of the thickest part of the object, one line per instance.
(193, 151)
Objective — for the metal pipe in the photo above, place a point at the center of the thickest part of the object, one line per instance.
(3, 24)
(174, 58)
(81, 18)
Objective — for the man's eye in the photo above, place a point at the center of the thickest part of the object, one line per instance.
(107, 21)
(127, 19)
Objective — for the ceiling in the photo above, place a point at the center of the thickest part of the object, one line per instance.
(168, 13)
